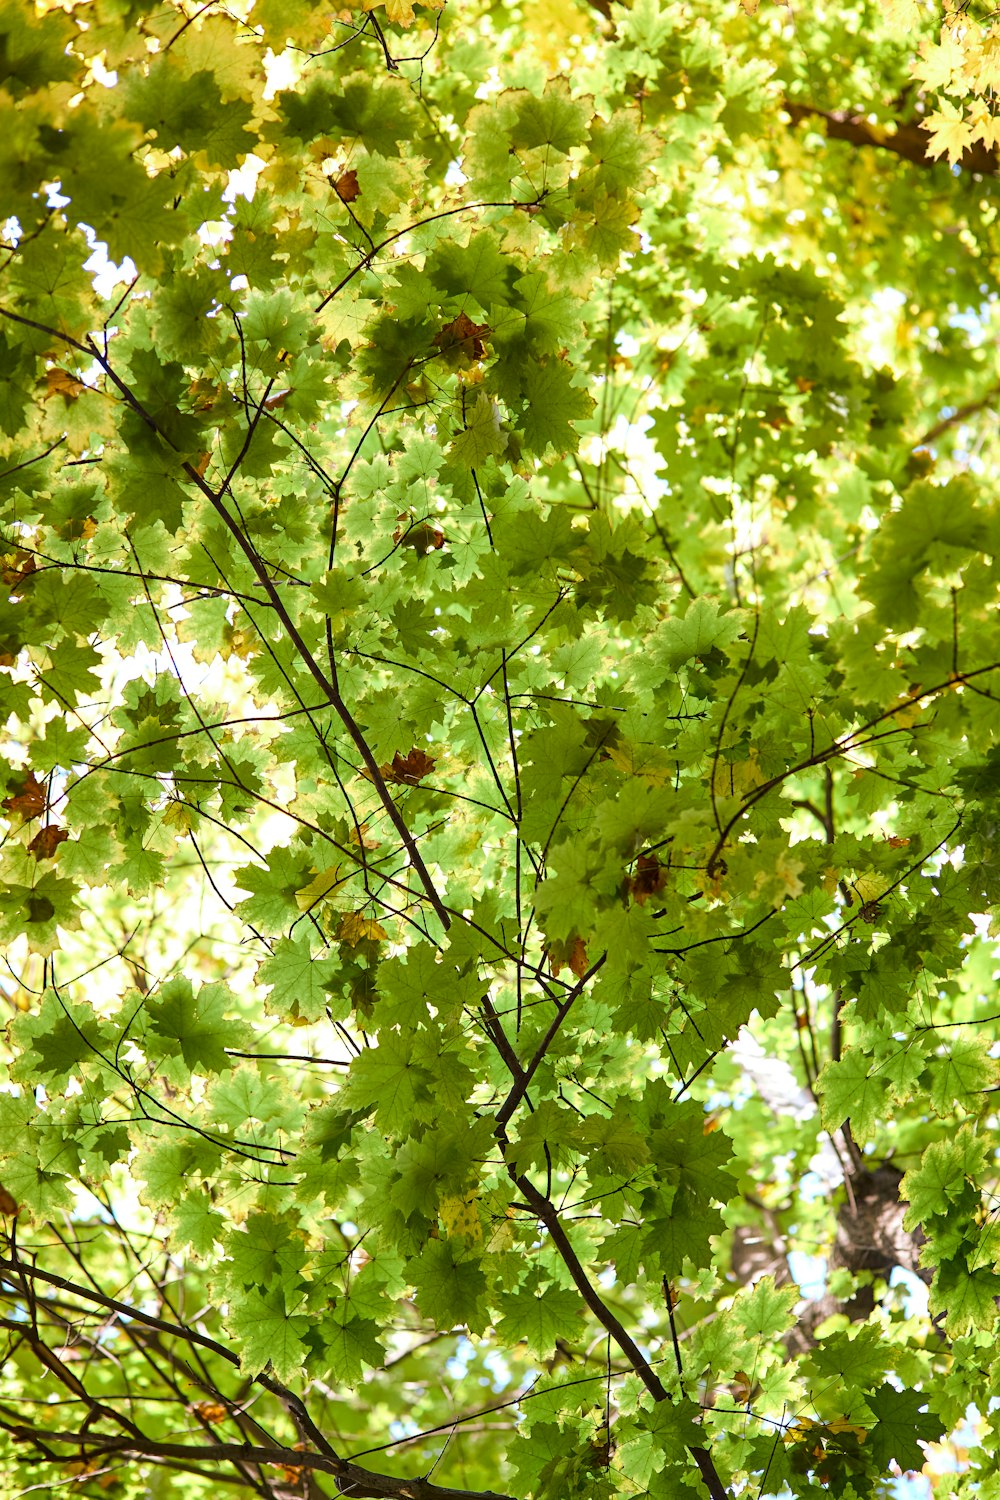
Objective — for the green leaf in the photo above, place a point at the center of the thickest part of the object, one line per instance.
(940, 1179)
(188, 1032)
(269, 1333)
(299, 980)
(553, 405)
(766, 1312)
(849, 1089)
(699, 631)
(858, 1359)
(60, 1042)
(349, 1347)
(966, 1296)
(540, 1318)
(901, 1427)
(450, 1287)
(481, 437)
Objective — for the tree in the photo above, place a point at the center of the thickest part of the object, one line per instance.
(500, 660)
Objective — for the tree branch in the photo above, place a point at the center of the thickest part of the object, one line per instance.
(351, 1478)
(905, 138)
(329, 688)
(959, 415)
(523, 1076)
(549, 1215)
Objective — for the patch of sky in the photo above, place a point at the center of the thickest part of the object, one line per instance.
(809, 1274)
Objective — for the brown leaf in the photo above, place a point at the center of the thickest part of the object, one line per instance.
(16, 567)
(8, 1203)
(463, 337)
(347, 187)
(47, 841)
(62, 383)
(423, 538)
(577, 959)
(409, 769)
(571, 954)
(210, 1411)
(28, 800)
(648, 880)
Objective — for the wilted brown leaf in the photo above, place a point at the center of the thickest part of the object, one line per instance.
(423, 538)
(47, 841)
(347, 187)
(571, 954)
(210, 1411)
(28, 800)
(16, 567)
(463, 337)
(577, 959)
(8, 1203)
(62, 383)
(408, 769)
(648, 880)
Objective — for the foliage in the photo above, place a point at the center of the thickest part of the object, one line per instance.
(499, 654)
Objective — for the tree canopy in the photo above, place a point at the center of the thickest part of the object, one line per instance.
(499, 661)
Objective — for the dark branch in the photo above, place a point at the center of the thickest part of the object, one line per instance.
(905, 138)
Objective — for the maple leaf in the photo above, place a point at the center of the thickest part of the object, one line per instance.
(16, 567)
(571, 954)
(409, 769)
(939, 62)
(47, 841)
(460, 1216)
(902, 1426)
(482, 436)
(950, 133)
(28, 800)
(462, 340)
(356, 928)
(210, 1411)
(347, 187)
(62, 383)
(649, 878)
(423, 537)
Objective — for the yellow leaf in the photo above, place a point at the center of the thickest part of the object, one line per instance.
(986, 127)
(904, 14)
(987, 63)
(502, 1238)
(909, 710)
(949, 132)
(355, 927)
(734, 778)
(460, 1216)
(318, 889)
(784, 878)
(940, 62)
(399, 11)
(180, 817)
(860, 1433)
(869, 886)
